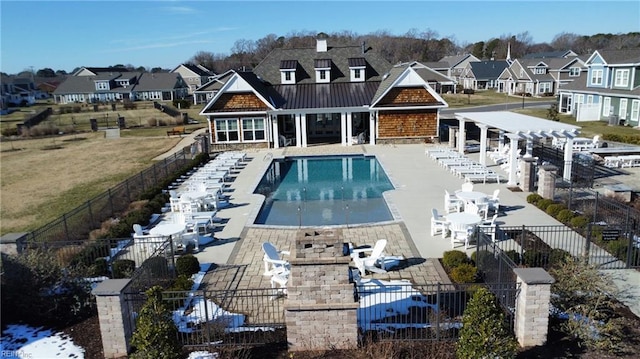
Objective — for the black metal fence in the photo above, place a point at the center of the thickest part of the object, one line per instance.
(583, 168)
(214, 318)
(422, 312)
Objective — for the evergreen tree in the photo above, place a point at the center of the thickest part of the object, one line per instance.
(484, 333)
(156, 335)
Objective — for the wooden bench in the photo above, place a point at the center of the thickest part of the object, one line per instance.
(177, 131)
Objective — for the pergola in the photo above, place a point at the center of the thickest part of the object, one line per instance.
(518, 127)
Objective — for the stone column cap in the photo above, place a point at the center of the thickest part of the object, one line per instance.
(534, 276)
(111, 287)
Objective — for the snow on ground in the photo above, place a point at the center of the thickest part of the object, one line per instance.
(22, 341)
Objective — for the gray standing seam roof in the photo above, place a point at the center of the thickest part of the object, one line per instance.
(331, 95)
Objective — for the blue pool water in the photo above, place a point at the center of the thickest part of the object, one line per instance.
(323, 191)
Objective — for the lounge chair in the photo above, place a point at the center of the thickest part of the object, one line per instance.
(368, 263)
(273, 262)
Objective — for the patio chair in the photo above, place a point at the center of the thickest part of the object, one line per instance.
(438, 223)
(494, 201)
(279, 284)
(490, 226)
(273, 262)
(452, 203)
(138, 231)
(460, 233)
(368, 263)
(467, 187)
(284, 142)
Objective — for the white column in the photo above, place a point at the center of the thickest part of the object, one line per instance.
(529, 148)
(568, 158)
(343, 128)
(462, 135)
(483, 144)
(372, 128)
(276, 135)
(513, 160)
(297, 121)
(500, 140)
(349, 128)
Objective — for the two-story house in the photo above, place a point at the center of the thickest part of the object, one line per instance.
(539, 76)
(457, 64)
(610, 91)
(120, 86)
(194, 75)
(326, 94)
(205, 93)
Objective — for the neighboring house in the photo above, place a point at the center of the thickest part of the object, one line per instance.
(121, 86)
(457, 64)
(482, 75)
(325, 94)
(443, 68)
(539, 76)
(18, 91)
(206, 92)
(194, 75)
(610, 91)
(94, 71)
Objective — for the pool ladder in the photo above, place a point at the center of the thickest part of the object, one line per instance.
(268, 157)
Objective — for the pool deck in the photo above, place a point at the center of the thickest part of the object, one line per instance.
(420, 183)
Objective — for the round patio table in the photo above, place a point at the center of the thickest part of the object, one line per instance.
(167, 229)
(463, 219)
(471, 196)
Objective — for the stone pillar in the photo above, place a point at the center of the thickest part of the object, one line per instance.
(532, 306)
(13, 243)
(547, 181)
(453, 134)
(527, 173)
(320, 311)
(115, 327)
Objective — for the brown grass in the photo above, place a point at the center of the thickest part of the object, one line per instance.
(38, 185)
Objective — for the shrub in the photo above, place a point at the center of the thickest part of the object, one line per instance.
(181, 104)
(534, 258)
(564, 216)
(533, 198)
(579, 222)
(484, 332)
(558, 256)
(484, 259)
(454, 258)
(513, 255)
(100, 268)
(554, 209)
(156, 335)
(123, 268)
(544, 203)
(187, 265)
(156, 266)
(464, 273)
(88, 255)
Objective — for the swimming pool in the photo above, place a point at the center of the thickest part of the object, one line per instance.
(324, 191)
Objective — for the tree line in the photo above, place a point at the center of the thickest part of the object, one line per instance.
(423, 46)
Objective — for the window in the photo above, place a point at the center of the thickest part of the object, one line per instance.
(323, 75)
(622, 78)
(521, 73)
(102, 85)
(623, 109)
(253, 129)
(544, 87)
(579, 98)
(574, 71)
(635, 110)
(227, 130)
(540, 71)
(356, 73)
(606, 106)
(596, 77)
(589, 99)
(287, 75)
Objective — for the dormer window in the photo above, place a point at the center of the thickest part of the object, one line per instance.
(323, 70)
(357, 68)
(540, 71)
(102, 85)
(288, 71)
(574, 71)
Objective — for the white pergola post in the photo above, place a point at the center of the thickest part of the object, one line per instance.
(529, 148)
(372, 128)
(349, 129)
(462, 135)
(500, 140)
(276, 135)
(568, 158)
(343, 126)
(513, 159)
(483, 144)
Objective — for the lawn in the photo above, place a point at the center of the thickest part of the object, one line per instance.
(487, 97)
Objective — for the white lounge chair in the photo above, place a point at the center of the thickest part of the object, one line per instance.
(273, 262)
(138, 231)
(438, 223)
(494, 201)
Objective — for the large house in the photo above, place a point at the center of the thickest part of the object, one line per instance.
(194, 75)
(610, 91)
(341, 94)
(457, 64)
(539, 76)
(205, 93)
(91, 87)
(482, 75)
